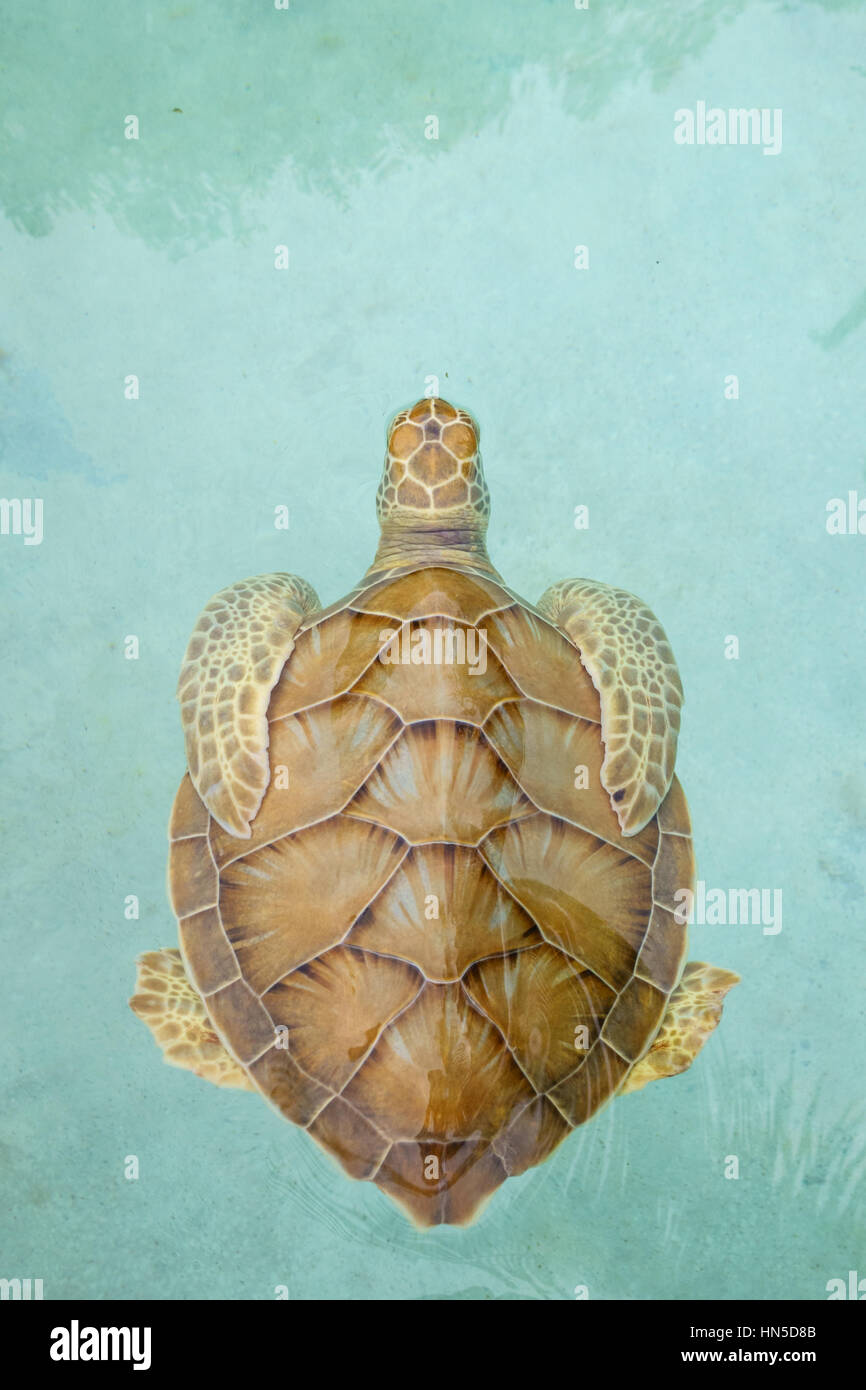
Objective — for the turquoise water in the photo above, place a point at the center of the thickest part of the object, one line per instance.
(609, 387)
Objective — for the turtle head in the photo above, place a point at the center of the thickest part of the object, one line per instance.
(432, 495)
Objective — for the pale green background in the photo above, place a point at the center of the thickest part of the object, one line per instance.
(411, 257)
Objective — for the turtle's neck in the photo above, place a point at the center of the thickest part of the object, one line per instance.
(426, 545)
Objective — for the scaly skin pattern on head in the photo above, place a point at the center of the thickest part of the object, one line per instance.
(432, 503)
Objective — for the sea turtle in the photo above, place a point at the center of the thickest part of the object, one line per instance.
(427, 855)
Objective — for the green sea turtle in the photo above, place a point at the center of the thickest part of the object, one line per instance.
(425, 858)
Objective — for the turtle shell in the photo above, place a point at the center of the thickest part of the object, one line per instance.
(437, 952)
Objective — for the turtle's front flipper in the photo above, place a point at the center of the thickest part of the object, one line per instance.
(233, 661)
(173, 1011)
(624, 648)
(694, 1009)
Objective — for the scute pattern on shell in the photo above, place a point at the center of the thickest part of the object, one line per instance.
(437, 952)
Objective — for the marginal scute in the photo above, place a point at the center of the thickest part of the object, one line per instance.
(344, 1133)
(239, 1016)
(189, 815)
(531, 1136)
(636, 1014)
(673, 813)
(664, 949)
(674, 873)
(596, 1079)
(437, 1183)
(212, 962)
(192, 876)
(282, 1082)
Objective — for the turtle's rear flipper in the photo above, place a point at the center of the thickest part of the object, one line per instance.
(694, 1009)
(175, 1015)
